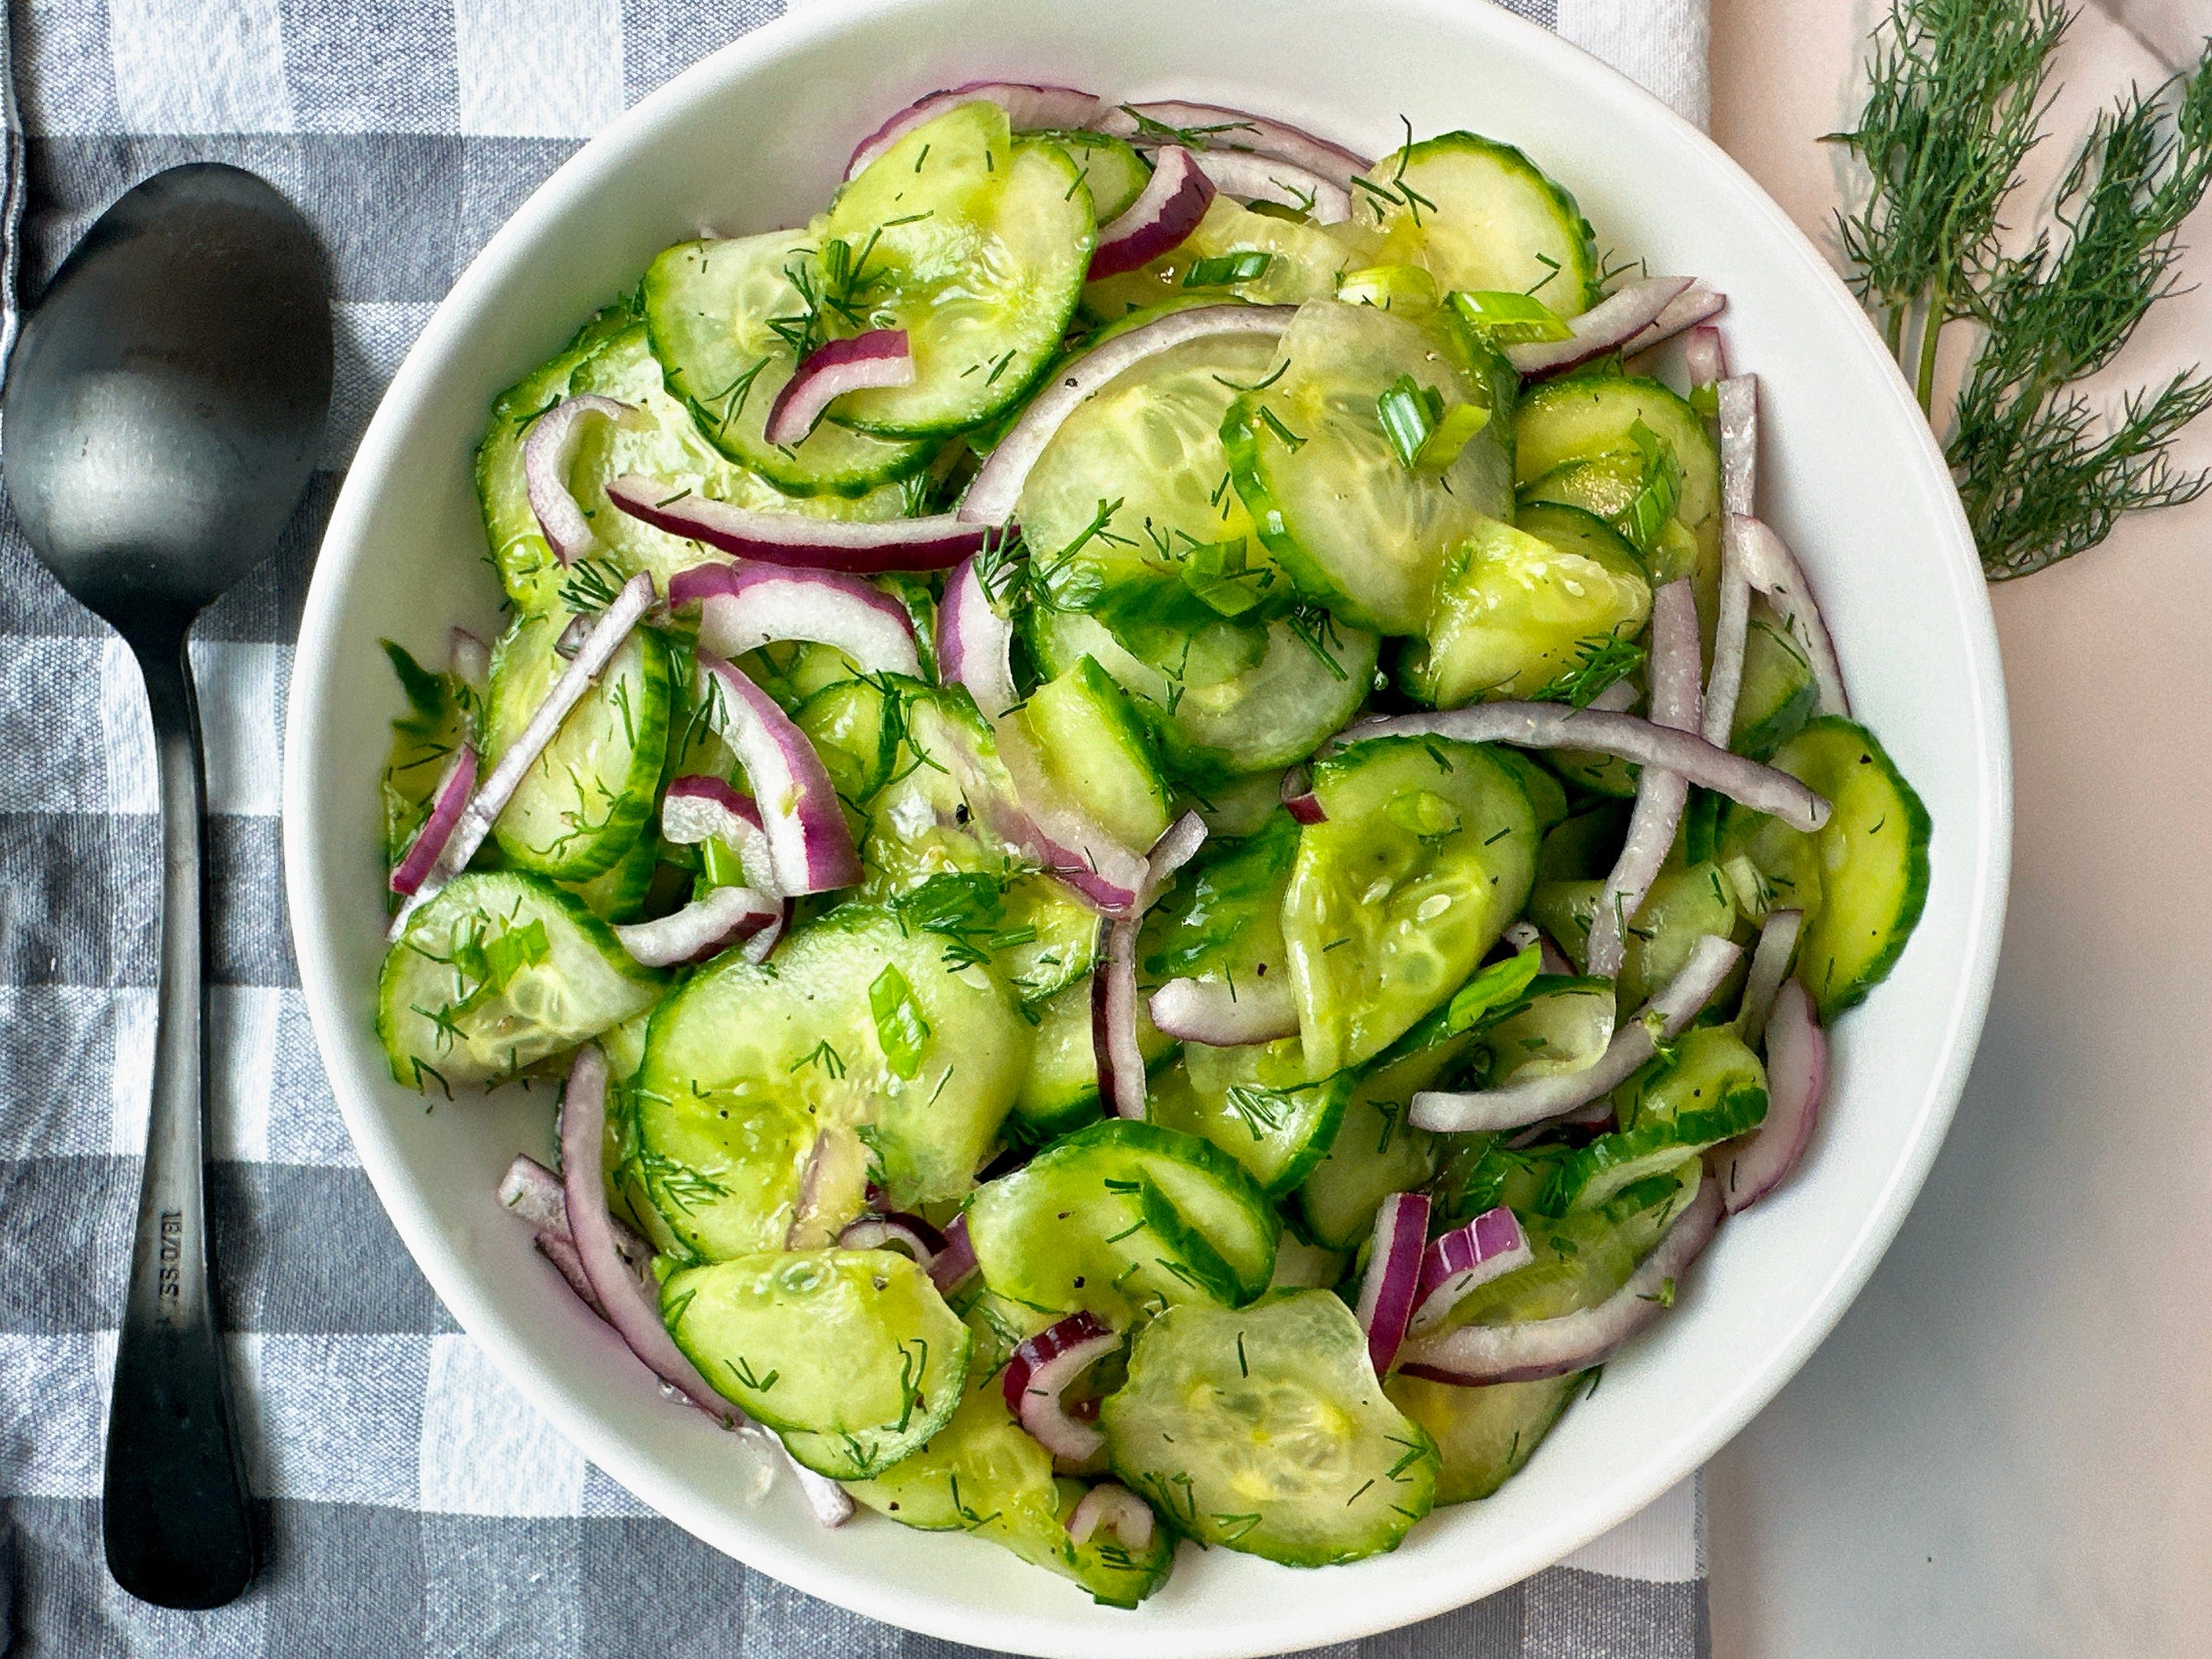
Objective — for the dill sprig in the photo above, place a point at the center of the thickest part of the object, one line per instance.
(1957, 101)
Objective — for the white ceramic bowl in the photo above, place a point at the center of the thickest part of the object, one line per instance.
(754, 137)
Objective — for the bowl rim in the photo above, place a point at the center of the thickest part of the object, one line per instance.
(600, 162)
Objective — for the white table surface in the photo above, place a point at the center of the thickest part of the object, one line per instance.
(2006, 1447)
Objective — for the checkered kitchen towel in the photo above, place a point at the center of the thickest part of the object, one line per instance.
(413, 1502)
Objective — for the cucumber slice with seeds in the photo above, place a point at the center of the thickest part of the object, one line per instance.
(851, 1355)
(1263, 1429)
(1111, 170)
(501, 971)
(1585, 417)
(1683, 906)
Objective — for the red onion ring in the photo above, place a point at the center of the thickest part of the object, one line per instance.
(1118, 1510)
(1705, 357)
(1222, 1015)
(546, 454)
(468, 658)
(1114, 1044)
(1029, 109)
(447, 801)
(702, 928)
(1387, 1294)
(1238, 130)
(493, 794)
(1796, 1071)
(1068, 841)
(1693, 306)
(1042, 1368)
(974, 643)
(1251, 177)
(701, 807)
(831, 1504)
(756, 950)
(631, 1309)
(809, 842)
(935, 543)
(560, 1249)
(1606, 326)
(1772, 568)
(876, 1233)
(1173, 199)
(533, 1192)
(1299, 798)
(744, 607)
(880, 357)
(1481, 1354)
(1769, 966)
(955, 1264)
(1556, 725)
(1660, 794)
(1634, 1040)
(1489, 1247)
(996, 489)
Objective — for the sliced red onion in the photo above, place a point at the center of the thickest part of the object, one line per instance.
(1557, 725)
(705, 928)
(1519, 935)
(1704, 356)
(756, 950)
(1634, 1042)
(533, 1192)
(560, 1249)
(1174, 849)
(1616, 699)
(1769, 966)
(1118, 1510)
(1606, 326)
(1067, 839)
(1592, 1115)
(1114, 1042)
(880, 357)
(1222, 1015)
(878, 1232)
(701, 807)
(1221, 128)
(1739, 421)
(1660, 794)
(1299, 798)
(468, 658)
(1173, 199)
(1772, 568)
(831, 1504)
(1534, 1348)
(744, 607)
(974, 644)
(936, 543)
(837, 1166)
(630, 1307)
(1389, 1292)
(1043, 1367)
(493, 794)
(808, 841)
(1251, 178)
(447, 801)
(546, 454)
(1687, 309)
(1797, 1072)
(1738, 398)
(954, 1265)
(1029, 109)
(1489, 1247)
(997, 486)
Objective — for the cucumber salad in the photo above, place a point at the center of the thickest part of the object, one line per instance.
(1177, 834)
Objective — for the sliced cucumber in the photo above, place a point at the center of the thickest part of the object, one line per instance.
(1094, 744)
(851, 1354)
(1484, 1436)
(618, 895)
(1287, 686)
(1478, 215)
(501, 970)
(1059, 1092)
(710, 306)
(1584, 417)
(1259, 1104)
(1357, 529)
(976, 244)
(1428, 850)
(1289, 261)
(855, 726)
(1683, 906)
(1576, 530)
(1515, 612)
(1585, 847)
(1712, 1088)
(1483, 1172)
(1112, 171)
(1223, 921)
(1376, 1152)
(1561, 1025)
(1123, 1219)
(862, 1033)
(1263, 1429)
(1869, 862)
(1778, 690)
(442, 715)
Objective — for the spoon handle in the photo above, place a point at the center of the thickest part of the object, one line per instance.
(179, 1524)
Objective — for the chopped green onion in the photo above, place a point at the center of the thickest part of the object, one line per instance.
(718, 861)
(1443, 446)
(1645, 517)
(1510, 318)
(1216, 573)
(1407, 290)
(1246, 264)
(900, 1027)
(1427, 436)
(1705, 398)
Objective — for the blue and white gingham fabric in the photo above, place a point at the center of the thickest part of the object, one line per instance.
(414, 1504)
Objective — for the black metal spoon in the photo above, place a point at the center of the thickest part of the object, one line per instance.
(163, 412)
